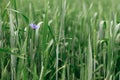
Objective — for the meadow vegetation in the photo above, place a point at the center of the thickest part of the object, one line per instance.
(76, 40)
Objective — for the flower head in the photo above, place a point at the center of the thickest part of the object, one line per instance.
(34, 26)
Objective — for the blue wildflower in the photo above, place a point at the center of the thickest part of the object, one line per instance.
(34, 26)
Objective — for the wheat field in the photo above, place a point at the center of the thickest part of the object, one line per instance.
(59, 39)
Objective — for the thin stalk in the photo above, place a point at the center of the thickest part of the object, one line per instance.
(89, 59)
(12, 43)
(63, 12)
(57, 56)
(15, 6)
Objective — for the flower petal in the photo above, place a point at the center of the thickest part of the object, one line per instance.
(34, 26)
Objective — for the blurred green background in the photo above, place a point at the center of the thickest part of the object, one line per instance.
(77, 40)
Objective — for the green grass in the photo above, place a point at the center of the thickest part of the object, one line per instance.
(77, 40)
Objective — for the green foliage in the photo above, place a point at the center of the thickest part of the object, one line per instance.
(77, 40)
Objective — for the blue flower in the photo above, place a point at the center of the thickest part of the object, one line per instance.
(34, 26)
